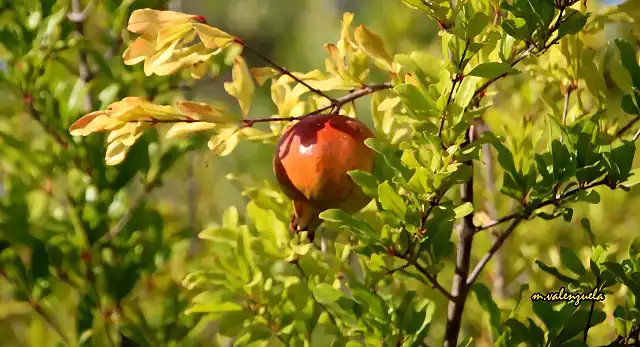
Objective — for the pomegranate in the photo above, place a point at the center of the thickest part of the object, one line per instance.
(311, 163)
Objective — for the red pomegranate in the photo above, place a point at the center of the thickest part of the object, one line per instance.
(311, 163)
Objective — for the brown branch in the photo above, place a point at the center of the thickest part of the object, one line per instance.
(284, 71)
(434, 281)
(517, 218)
(628, 126)
(492, 251)
(459, 288)
(78, 18)
(249, 122)
(457, 79)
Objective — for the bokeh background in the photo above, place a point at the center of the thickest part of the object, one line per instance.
(195, 192)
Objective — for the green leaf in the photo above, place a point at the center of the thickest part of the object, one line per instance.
(518, 332)
(463, 210)
(628, 105)
(366, 181)
(571, 261)
(575, 21)
(633, 179)
(357, 227)
(214, 307)
(628, 57)
(491, 70)
(326, 294)
(417, 101)
(476, 24)
(554, 272)
(516, 28)
(465, 91)
(577, 322)
(372, 45)
(483, 295)
(391, 200)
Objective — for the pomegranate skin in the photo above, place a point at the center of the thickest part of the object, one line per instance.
(311, 163)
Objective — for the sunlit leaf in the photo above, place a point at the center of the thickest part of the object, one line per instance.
(373, 45)
(242, 87)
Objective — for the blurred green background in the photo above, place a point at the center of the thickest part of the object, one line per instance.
(195, 191)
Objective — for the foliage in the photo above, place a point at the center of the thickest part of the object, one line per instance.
(379, 277)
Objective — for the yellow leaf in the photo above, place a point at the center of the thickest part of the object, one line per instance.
(199, 70)
(262, 74)
(225, 141)
(373, 46)
(242, 87)
(159, 58)
(138, 51)
(128, 133)
(345, 44)
(172, 33)
(148, 20)
(213, 38)
(204, 112)
(184, 128)
(186, 58)
(93, 122)
(116, 152)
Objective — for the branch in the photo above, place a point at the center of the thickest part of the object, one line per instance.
(593, 303)
(457, 79)
(565, 109)
(628, 126)
(494, 248)
(459, 288)
(338, 103)
(517, 219)
(122, 222)
(78, 17)
(284, 71)
(434, 281)
(250, 122)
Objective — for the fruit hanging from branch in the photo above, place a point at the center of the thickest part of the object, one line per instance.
(311, 164)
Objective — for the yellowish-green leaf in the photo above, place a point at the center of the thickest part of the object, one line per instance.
(116, 152)
(147, 20)
(199, 70)
(262, 74)
(205, 112)
(242, 87)
(372, 45)
(213, 38)
(172, 33)
(184, 128)
(138, 51)
(224, 142)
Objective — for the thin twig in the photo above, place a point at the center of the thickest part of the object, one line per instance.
(494, 248)
(78, 17)
(434, 281)
(628, 126)
(51, 322)
(249, 122)
(286, 72)
(457, 79)
(565, 109)
(517, 219)
(593, 303)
